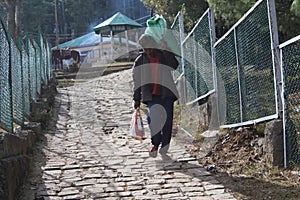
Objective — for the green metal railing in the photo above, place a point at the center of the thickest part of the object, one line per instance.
(198, 59)
(244, 61)
(6, 121)
(243, 70)
(290, 65)
(24, 67)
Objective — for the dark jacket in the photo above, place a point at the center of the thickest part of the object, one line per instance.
(143, 81)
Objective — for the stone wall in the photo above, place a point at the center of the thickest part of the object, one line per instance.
(15, 147)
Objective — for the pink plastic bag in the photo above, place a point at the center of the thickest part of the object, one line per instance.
(136, 126)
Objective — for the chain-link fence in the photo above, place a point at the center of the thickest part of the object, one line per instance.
(198, 59)
(26, 80)
(5, 83)
(17, 82)
(290, 62)
(177, 28)
(243, 68)
(23, 68)
(244, 61)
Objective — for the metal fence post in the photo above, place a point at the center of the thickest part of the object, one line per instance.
(181, 32)
(239, 75)
(276, 56)
(10, 80)
(215, 113)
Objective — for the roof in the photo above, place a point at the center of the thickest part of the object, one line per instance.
(90, 39)
(117, 23)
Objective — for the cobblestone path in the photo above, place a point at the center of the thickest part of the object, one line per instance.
(88, 153)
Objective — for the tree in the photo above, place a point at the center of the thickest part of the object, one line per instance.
(228, 12)
(288, 21)
(75, 18)
(13, 9)
(296, 7)
(169, 8)
(83, 15)
(39, 13)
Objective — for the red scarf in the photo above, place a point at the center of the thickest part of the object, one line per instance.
(154, 64)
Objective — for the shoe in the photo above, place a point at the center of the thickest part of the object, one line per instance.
(153, 152)
(165, 157)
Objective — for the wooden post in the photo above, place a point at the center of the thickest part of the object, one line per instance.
(127, 46)
(56, 23)
(111, 44)
(101, 46)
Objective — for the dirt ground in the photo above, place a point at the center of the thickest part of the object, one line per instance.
(237, 160)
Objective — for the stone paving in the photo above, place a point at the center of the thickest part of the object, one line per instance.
(89, 153)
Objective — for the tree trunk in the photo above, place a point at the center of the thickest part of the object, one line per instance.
(13, 8)
(56, 23)
(10, 8)
(18, 8)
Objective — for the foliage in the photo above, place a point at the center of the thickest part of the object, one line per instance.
(192, 10)
(78, 17)
(42, 8)
(228, 12)
(75, 18)
(288, 22)
(84, 15)
(13, 8)
(296, 7)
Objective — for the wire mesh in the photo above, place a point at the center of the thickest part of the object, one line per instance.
(256, 65)
(49, 64)
(5, 86)
(198, 66)
(22, 69)
(38, 67)
(189, 69)
(17, 82)
(32, 71)
(42, 59)
(291, 72)
(228, 86)
(245, 64)
(26, 80)
(176, 29)
(204, 70)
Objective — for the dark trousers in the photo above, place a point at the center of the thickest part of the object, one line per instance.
(160, 120)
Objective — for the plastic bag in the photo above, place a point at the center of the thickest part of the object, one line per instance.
(137, 130)
(158, 29)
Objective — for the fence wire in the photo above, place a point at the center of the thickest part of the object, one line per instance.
(5, 83)
(38, 67)
(197, 53)
(26, 80)
(177, 29)
(32, 70)
(17, 82)
(23, 69)
(228, 86)
(245, 66)
(291, 72)
(49, 64)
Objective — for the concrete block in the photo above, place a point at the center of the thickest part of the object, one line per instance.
(273, 147)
